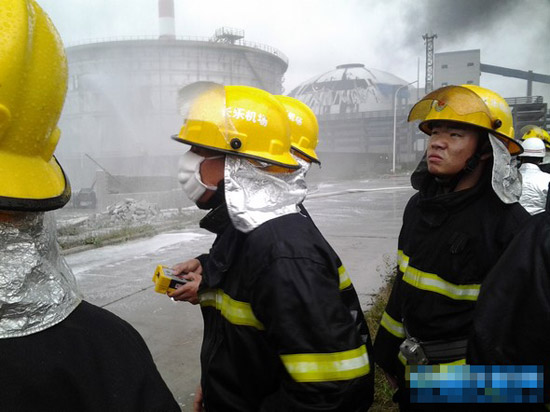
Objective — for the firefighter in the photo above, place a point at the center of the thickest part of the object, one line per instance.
(454, 230)
(512, 316)
(303, 141)
(304, 131)
(278, 336)
(57, 352)
(534, 181)
(530, 131)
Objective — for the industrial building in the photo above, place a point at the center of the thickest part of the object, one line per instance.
(121, 105)
(363, 112)
(121, 101)
(465, 67)
(355, 107)
(460, 67)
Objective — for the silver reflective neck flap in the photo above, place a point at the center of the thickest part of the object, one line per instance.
(37, 288)
(255, 195)
(505, 180)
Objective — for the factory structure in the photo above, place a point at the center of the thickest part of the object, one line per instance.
(465, 67)
(121, 104)
(121, 108)
(355, 107)
(363, 112)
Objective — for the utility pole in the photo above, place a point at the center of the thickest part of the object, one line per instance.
(429, 40)
(395, 122)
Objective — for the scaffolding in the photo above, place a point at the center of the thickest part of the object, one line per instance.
(429, 40)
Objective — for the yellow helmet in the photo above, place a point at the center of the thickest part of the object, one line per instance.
(469, 104)
(530, 131)
(240, 120)
(33, 83)
(304, 129)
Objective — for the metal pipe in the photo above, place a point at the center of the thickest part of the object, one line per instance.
(395, 121)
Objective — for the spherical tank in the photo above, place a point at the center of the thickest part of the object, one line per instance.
(355, 107)
(349, 88)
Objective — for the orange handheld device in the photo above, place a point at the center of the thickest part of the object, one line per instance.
(165, 280)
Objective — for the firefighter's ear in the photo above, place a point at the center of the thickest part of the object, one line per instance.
(486, 151)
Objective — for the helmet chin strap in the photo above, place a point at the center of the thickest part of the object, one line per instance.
(472, 162)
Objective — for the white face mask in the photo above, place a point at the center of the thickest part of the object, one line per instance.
(189, 175)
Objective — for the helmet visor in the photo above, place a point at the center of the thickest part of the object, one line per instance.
(461, 102)
(534, 131)
(531, 130)
(206, 102)
(530, 127)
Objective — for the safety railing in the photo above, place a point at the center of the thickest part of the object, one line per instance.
(254, 45)
(512, 101)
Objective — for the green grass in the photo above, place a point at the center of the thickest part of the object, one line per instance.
(382, 391)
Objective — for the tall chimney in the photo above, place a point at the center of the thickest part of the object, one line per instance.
(167, 28)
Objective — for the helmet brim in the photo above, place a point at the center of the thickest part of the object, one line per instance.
(284, 160)
(308, 153)
(32, 184)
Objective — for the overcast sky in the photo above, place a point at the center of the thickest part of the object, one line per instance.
(319, 35)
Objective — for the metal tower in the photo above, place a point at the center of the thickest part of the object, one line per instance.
(167, 25)
(429, 40)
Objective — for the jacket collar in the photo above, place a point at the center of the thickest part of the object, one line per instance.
(436, 207)
(217, 220)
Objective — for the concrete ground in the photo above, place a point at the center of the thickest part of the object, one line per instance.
(360, 219)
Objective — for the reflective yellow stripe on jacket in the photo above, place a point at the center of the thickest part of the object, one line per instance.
(323, 367)
(433, 283)
(236, 312)
(345, 280)
(392, 326)
(240, 313)
(402, 358)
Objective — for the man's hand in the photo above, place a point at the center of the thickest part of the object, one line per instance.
(191, 265)
(192, 271)
(197, 402)
(392, 380)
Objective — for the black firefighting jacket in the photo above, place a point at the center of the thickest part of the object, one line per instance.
(447, 245)
(91, 361)
(512, 317)
(283, 327)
